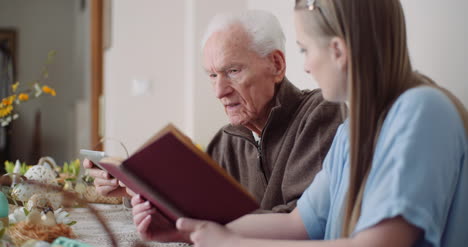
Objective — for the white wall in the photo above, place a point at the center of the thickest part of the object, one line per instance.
(148, 44)
(44, 26)
(438, 42)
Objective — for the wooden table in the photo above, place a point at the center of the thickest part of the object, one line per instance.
(120, 221)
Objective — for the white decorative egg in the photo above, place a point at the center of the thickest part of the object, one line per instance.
(41, 173)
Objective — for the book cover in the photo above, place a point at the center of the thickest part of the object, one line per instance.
(182, 181)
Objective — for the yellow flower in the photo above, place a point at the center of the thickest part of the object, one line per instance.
(9, 100)
(5, 111)
(49, 90)
(23, 96)
(14, 87)
(46, 89)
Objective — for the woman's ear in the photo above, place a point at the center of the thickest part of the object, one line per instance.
(279, 65)
(339, 52)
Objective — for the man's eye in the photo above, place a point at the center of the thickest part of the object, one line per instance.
(302, 50)
(213, 75)
(233, 71)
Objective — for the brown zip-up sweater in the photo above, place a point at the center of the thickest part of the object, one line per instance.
(294, 142)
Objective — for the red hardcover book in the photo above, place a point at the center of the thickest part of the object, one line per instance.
(182, 181)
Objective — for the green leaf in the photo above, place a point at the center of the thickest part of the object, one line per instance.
(72, 223)
(9, 166)
(26, 212)
(73, 170)
(2, 232)
(24, 168)
(65, 168)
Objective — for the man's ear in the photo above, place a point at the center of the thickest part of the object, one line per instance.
(279, 65)
(339, 52)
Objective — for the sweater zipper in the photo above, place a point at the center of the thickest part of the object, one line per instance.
(259, 156)
(260, 160)
(259, 148)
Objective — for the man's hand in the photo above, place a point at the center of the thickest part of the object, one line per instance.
(104, 183)
(207, 234)
(151, 225)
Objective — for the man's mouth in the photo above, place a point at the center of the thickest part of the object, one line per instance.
(232, 107)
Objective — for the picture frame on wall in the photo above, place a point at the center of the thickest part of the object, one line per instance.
(9, 51)
(8, 76)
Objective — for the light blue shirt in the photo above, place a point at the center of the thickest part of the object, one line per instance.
(419, 171)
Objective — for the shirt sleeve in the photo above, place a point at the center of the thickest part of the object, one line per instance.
(416, 164)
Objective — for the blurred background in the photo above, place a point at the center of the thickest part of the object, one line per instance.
(124, 69)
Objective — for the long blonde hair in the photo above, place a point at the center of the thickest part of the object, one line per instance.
(379, 70)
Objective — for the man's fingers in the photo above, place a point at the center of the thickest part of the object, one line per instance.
(98, 173)
(87, 164)
(139, 217)
(136, 199)
(106, 182)
(141, 207)
(129, 191)
(189, 225)
(105, 190)
(121, 184)
(142, 228)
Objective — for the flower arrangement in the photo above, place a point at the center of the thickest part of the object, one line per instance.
(42, 215)
(20, 94)
(41, 221)
(67, 176)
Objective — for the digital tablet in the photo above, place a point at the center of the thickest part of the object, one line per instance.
(94, 156)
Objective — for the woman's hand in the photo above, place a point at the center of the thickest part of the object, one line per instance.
(151, 225)
(104, 183)
(207, 234)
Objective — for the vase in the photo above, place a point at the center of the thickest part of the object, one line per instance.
(3, 209)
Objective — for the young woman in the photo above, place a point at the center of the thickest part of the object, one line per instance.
(397, 171)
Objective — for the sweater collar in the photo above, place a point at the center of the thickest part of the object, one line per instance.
(286, 99)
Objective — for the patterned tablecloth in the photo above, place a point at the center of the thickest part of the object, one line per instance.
(119, 219)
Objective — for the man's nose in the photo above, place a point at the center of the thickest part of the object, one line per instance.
(222, 87)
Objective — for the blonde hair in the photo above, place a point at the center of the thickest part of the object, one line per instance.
(379, 70)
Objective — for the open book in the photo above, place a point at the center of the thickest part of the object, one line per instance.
(181, 180)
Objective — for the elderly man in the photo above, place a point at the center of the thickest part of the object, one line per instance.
(278, 135)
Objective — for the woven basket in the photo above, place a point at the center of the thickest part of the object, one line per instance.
(23, 231)
(92, 196)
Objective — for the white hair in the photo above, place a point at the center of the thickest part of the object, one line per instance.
(263, 28)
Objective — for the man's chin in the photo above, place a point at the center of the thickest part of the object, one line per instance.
(237, 122)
